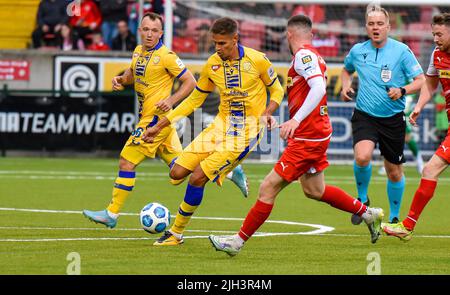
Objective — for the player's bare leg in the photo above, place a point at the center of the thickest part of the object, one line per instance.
(268, 191)
(192, 199)
(314, 187)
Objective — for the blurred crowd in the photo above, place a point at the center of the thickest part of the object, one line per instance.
(112, 25)
(100, 25)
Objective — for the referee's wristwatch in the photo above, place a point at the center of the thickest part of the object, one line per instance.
(403, 91)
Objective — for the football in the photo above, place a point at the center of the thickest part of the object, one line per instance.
(154, 218)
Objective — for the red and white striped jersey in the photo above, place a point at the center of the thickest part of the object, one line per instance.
(440, 66)
(307, 64)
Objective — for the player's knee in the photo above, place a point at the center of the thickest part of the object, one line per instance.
(312, 193)
(176, 174)
(125, 165)
(395, 175)
(362, 159)
(198, 178)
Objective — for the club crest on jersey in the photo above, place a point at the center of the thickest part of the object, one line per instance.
(289, 82)
(246, 66)
(215, 67)
(323, 110)
(386, 74)
(156, 59)
(306, 59)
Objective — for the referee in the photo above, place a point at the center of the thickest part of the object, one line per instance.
(383, 66)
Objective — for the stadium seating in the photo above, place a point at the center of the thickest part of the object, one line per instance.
(17, 20)
(193, 23)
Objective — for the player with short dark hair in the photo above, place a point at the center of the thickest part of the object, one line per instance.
(383, 65)
(308, 133)
(438, 71)
(242, 76)
(153, 70)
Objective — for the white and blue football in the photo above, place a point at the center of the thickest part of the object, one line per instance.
(155, 218)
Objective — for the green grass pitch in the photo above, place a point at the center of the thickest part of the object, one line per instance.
(39, 242)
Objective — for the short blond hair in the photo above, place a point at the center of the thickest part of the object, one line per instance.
(376, 8)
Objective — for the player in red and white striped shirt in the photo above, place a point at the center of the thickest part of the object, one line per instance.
(308, 133)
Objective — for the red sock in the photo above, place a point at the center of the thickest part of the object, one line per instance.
(423, 194)
(255, 218)
(339, 199)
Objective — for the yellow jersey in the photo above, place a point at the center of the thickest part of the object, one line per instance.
(242, 85)
(154, 71)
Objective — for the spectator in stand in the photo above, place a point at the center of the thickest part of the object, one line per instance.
(350, 37)
(98, 44)
(112, 11)
(182, 41)
(67, 40)
(125, 40)
(133, 12)
(275, 35)
(87, 20)
(204, 42)
(50, 16)
(315, 12)
(326, 44)
(356, 12)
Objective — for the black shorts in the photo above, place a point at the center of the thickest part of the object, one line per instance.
(388, 133)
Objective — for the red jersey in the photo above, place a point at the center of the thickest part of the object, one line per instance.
(307, 64)
(440, 66)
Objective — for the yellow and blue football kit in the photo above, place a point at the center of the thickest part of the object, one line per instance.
(236, 130)
(154, 72)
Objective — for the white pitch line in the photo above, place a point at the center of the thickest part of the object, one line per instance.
(42, 174)
(318, 229)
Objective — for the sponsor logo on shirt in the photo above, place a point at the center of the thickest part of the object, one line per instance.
(445, 74)
(306, 59)
(180, 63)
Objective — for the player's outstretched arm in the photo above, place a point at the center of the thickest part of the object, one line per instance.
(426, 93)
(187, 85)
(184, 109)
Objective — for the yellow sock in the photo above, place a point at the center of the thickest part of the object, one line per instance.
(183, 217)
(122, 188)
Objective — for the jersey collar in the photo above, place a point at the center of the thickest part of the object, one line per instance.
(241, 51)
(157, 46)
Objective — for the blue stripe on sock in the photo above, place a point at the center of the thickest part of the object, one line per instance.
(127, 174)
(395, 195)
(184, 213)
(194, 195)
(123, 187)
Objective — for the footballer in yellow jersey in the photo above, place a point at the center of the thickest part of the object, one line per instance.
(242, 76)
(153, 71)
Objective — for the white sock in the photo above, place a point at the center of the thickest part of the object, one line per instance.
(239, 240)
(112, 215)
(178, 236)
(366, 214)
